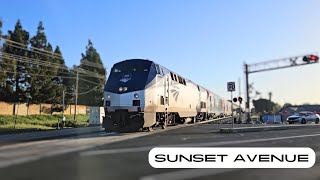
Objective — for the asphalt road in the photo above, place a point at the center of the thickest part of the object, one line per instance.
(119, 157)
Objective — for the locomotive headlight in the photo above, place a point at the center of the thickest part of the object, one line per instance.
(120, 89)
(108, 96)
(136, 96)
(125, 88)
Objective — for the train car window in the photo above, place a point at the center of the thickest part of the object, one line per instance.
(175, 77)
(198, 88)
(205, 105)
(184, 82)
(161, 100)
(157, 69)
(210, 98)
(162, 71)
(180, 79)
(172, 76)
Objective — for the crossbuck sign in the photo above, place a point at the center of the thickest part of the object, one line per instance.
(231, 86)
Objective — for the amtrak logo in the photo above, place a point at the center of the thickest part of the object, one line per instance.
(175, 92)
(125, 78)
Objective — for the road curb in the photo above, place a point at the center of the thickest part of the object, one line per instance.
(65, 135)
(45, 135)
(265, 128)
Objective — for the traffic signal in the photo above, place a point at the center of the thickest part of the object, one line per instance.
(310, 58)
(235, 99)
(240, 99)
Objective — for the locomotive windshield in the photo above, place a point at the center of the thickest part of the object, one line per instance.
(132, 74)
(130, 69)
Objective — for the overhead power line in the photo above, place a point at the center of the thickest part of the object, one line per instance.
(45, 63)
(42, 75)
(57, 68)
(86, 92)
(92, 64)
(47, 53)
(23, 45)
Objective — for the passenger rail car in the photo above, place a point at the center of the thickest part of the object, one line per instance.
(142, 94)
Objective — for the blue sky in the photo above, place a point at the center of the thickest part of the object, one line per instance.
(207, 41)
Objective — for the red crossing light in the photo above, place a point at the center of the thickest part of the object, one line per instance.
(309, 58)
(314, 58)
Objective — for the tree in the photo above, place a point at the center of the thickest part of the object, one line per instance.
(276, 108)
(49, 91)
(92, 64)
(63, 82)
(2, 69)
(41, 81)
(287, 105)
(17, 78)
(264, 105)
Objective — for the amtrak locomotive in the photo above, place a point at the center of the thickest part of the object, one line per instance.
(143, 94)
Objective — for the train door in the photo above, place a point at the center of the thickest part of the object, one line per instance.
(166, 99)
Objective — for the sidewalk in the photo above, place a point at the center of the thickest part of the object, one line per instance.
(50, 134)
(268, 127)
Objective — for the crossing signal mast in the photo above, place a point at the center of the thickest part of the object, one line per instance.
(237, 99)
(273, 65)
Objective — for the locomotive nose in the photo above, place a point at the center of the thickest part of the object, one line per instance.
(123, 121)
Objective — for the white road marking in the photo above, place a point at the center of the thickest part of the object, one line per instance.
(141, 149)
(186, 174)
(192, 173)
(31, 151)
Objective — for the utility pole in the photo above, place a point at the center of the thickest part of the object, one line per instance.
(76, 100)
(247, 93)
(239, 86)
(63, 96)
(240, 119)
(16, 116)
(63, 103)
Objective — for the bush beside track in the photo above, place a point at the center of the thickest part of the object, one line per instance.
(41, 122)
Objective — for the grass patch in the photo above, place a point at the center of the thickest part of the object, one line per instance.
(43, 122)
(23, 126)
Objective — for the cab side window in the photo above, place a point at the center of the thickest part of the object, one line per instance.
(157, 69)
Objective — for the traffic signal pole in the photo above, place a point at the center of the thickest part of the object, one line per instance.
(232, 111)
(273, 65)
